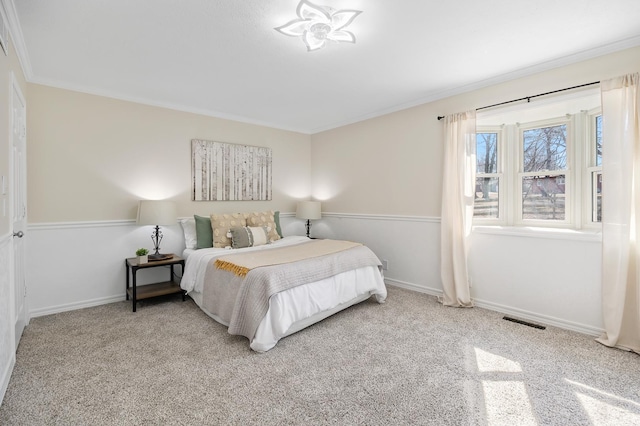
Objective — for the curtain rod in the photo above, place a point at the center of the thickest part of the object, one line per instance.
(528, 98)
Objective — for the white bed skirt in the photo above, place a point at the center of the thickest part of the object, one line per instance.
(299, 307)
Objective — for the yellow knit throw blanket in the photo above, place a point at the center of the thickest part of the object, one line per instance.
(241, 263)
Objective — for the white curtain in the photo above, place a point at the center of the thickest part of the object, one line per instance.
(457, 206)
(621, 212)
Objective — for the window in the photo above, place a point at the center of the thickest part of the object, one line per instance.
(487, 200)
(595, 169)
(541, 166)
(543, 172)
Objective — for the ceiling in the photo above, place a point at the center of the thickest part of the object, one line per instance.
(224, 58)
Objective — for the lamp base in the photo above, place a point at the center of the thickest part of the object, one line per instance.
(308, 228)
(160, 256)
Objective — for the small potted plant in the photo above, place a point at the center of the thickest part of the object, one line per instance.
(143, 255)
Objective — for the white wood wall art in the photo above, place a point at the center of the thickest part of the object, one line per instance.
(230, 172)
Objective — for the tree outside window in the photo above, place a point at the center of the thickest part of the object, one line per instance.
(544, 171)
(486, 204)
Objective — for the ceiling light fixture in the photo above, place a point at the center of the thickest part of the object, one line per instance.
(317, 24)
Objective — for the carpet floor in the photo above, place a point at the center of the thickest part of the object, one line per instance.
(408, 361)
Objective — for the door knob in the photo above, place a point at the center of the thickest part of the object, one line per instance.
(18, 234)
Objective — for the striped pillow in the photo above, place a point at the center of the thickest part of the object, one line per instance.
(248, 236)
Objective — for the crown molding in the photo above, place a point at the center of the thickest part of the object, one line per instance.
(160, 104)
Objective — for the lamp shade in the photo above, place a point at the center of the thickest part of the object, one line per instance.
(152, 212)
(309, 210)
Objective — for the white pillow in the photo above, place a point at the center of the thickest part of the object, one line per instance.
(189, 229)
(260, 235)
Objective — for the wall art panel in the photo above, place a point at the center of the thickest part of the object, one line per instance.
(230, 172)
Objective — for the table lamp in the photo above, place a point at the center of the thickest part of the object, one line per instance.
(309, 210)
(156, 213)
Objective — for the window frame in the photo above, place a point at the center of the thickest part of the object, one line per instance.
(579, 174)
(591, 171)
(567, 172)
(500, 162)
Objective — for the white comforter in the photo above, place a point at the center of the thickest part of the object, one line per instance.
(294, 309)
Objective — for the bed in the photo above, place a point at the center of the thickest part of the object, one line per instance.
(313, 289)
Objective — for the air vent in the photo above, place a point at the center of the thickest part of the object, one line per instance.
(529, 324)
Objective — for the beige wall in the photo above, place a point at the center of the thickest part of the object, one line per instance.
(8, 65)
(393, 164)
(91, 158)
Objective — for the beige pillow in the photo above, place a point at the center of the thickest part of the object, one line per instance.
(266, 218)
(220, 225)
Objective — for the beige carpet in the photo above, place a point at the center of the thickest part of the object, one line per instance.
(409, 361)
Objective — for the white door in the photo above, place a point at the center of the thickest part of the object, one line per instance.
(19, 205)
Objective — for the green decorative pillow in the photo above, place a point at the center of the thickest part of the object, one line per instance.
(278, 229)
(204, 234)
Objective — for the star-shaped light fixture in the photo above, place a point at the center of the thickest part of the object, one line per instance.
(317, 24)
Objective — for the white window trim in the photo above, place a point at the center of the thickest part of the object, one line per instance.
(578, 189)
(557, 121)
(501, 160)
(589, 167)
(540, 232)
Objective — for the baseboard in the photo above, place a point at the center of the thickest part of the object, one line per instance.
(519, 313)
(410, 286)
(6, 377)
(530, 316)
(542, 319)
(75, 305)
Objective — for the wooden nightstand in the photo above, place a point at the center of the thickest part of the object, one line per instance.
(152, 290)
